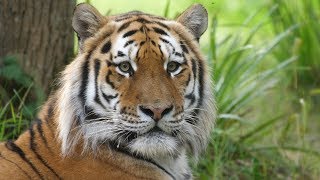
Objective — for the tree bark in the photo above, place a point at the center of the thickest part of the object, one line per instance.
(39, 34)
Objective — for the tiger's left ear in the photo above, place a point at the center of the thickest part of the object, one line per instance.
(195, 18)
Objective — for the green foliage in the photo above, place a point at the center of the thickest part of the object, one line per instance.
(304, 41)
(238, 149)
(19, 98)
(166, 10)
(11, 71)
(12, 121)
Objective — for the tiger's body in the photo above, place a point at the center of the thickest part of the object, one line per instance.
(135, 103)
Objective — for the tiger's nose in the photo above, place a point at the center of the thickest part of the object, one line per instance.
(155, 113)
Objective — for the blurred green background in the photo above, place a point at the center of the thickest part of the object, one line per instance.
(266, 68)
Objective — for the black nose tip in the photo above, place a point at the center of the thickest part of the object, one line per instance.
(156, 113)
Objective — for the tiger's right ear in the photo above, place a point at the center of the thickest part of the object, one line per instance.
(86, 21)
(195, 18)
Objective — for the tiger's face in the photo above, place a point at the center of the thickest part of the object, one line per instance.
(142, 81)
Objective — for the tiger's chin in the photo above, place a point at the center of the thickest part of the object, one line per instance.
(155, 144)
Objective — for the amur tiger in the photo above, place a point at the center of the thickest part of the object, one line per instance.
(135, 103)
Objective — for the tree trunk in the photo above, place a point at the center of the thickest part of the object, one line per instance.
(40, 34)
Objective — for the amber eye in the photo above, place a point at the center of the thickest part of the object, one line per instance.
(172, 66)
(125, 67)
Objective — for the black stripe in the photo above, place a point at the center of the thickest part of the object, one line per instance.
(123, 18)
(167, 42)
(142, 43)
(183, 47)
(163, 25)
(96, 73)
(194, 117)
(137, 55)
(155, 52)
(160, 31)
(194, 69)
(106, 47)
(189, 78)
(49, 115)
(108, 79)
(114, 107)
(128, 15)
(14, 148)
(124, 26)
(184, 59)
(143, 20)
(129, 33)
(33, 147)
(49, 112)
(84, 82)
(109, 97)
(164, 40)
(142, 29)
(120, 54)
(128, 43)
(153, 43)
(191, 97)
(178, 54)
(196, 111)
(159, 46)
(90, 114)
(115, 146)
(201, 83)
(110, 63)
(40, 130)
(15, 165)
(134, 13)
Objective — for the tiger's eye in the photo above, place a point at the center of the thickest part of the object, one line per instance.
(172, 66)
(125, 67)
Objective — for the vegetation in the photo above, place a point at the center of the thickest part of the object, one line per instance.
(266, 72)
(303, 39)
(15, 90)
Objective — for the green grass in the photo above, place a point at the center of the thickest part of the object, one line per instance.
(12, 119)
(266, 74)
(258, 135)
(302, 42)
(19, 99)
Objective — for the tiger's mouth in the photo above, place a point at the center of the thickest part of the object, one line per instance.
(155, 142)
(155, 131)
(152, 142)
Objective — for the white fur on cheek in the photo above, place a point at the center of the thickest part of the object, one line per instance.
(69, 104)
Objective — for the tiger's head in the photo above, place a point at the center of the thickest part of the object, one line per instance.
(139, 82)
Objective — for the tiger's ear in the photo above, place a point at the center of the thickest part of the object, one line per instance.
(195, 18)
(86, 21)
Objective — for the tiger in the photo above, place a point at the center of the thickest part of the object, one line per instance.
(136, 102)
